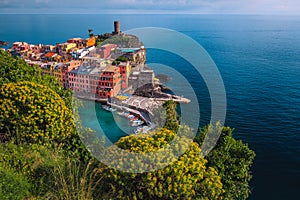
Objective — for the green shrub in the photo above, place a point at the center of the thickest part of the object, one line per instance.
(36, 162)
(231, 158)
(13, 185)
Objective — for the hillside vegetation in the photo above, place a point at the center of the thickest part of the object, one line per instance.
(42, 156)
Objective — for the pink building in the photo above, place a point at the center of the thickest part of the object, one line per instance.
(20, 46)
(106, 50)
(102, 82)
(36, 48)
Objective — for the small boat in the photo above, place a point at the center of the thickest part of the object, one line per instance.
(130, 116)
(137, 123)
(134, 119)
(109, 109)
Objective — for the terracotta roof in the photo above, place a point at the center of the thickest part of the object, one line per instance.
(110, 68)
(50, 54)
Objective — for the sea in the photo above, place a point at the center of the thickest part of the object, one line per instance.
(258, 58)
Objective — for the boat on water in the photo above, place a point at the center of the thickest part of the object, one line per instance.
(130, 116)
(137, 122)
(109, 109)
(134, 119)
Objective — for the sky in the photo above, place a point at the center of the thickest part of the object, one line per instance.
(273, 7)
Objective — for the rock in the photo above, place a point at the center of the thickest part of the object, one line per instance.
(3, 43)
(163, 78)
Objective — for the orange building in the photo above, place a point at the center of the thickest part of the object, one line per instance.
(90, 41)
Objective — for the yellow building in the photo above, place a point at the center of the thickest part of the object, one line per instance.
(53, 69)
(68, 46)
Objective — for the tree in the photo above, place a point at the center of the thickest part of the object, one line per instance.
(184, 178)
(122, 59)
(91, 34)
(171, 116)
(232, 159)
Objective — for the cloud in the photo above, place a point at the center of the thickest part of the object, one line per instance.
(163, 6)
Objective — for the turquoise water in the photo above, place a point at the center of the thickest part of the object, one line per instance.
(107, 124)
(258, 58)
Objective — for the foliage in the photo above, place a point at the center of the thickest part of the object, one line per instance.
(123, 40)
(101, 38)
(33, 113)
(91, 34)
(117, 39)
(51, 162)
(122, 59)
(50, 173)
(232, 159)
(13, 185)
(16, 69)
(36, 162)
(171, 116)
(75, 180)
(115, 62)
(184, 178)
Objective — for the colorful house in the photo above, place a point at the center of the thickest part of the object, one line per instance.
(110, 82)
(78, 41)
(90, 41)
(105, 50)
(48, 48)
(125, 70)
(50, 57)
(65, 47)
(20, 46)
(69, 66)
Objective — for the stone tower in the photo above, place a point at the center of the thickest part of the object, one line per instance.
(117, 27)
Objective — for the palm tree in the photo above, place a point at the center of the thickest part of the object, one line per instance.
(91, 32)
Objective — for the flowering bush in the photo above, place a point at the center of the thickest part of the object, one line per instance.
(33, 113)
(184, 178)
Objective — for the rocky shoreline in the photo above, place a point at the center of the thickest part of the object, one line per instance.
(3, 43)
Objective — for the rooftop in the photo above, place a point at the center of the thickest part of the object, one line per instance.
(110, 68)
(50, 54)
